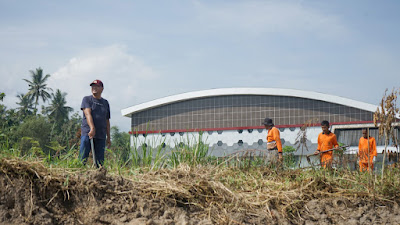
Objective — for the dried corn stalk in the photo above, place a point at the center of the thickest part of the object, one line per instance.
(384, 116)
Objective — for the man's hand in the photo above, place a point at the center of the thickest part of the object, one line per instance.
(108, 142)
(316, 152)
(280, 156)
(91, 133)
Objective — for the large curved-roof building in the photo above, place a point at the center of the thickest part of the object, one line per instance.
(231, 117)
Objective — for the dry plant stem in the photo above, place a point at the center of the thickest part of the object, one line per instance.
(55, 195)
(385, 115)
(301, 139)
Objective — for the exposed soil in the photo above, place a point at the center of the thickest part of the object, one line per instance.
(32, 194)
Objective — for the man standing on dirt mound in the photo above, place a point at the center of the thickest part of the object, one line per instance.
(274, 144)
(326, 142)
(95, 124)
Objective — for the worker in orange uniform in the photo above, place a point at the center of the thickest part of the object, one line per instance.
(274, 144)
(326, 141)
(366, 151)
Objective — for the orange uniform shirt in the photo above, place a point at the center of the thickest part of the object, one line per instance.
(326, 142)
(274, 135)
(363, 149)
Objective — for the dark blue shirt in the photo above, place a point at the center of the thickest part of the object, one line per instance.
(100, 114)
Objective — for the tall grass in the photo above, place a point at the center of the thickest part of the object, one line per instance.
(155, 152)
(6, 150)
(288, 157)
(148, 153)
(192, 151)
(67, 159)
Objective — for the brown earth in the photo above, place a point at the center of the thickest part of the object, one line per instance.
(33, 194)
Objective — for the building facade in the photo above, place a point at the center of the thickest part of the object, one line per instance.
(230, 119)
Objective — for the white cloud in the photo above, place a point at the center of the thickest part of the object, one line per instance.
(120, 72)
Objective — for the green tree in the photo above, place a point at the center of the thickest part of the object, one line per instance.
(70, 132)
(12, 118)
(120, 139)
(8, 118)
(9, 121)
(57, 110)
(35, 127)
(120, 143)
(3, 110)
(38, 87)
(3, 115)
(25, 105)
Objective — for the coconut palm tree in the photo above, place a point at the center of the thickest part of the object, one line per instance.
(37, 86)
(57, 110)
(26, 105)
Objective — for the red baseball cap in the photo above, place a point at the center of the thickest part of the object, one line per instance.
(97, 82)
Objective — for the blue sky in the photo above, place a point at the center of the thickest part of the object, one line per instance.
(144, 50)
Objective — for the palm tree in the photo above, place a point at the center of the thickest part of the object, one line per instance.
(37, 87)
(57, 110)
(26, 105)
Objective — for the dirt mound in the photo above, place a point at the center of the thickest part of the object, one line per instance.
(33, 194)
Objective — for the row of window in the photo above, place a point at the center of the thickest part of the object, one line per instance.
(202, 114)
(212, 105)
(210, 132)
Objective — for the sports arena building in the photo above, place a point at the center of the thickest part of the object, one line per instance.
(230, 118)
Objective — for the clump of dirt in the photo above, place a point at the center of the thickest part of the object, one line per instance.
(343, 211)
(33, 194)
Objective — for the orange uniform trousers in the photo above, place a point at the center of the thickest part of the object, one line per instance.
(364, 166)
(326, 160)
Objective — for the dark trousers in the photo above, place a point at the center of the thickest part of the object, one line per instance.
(99, 148)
